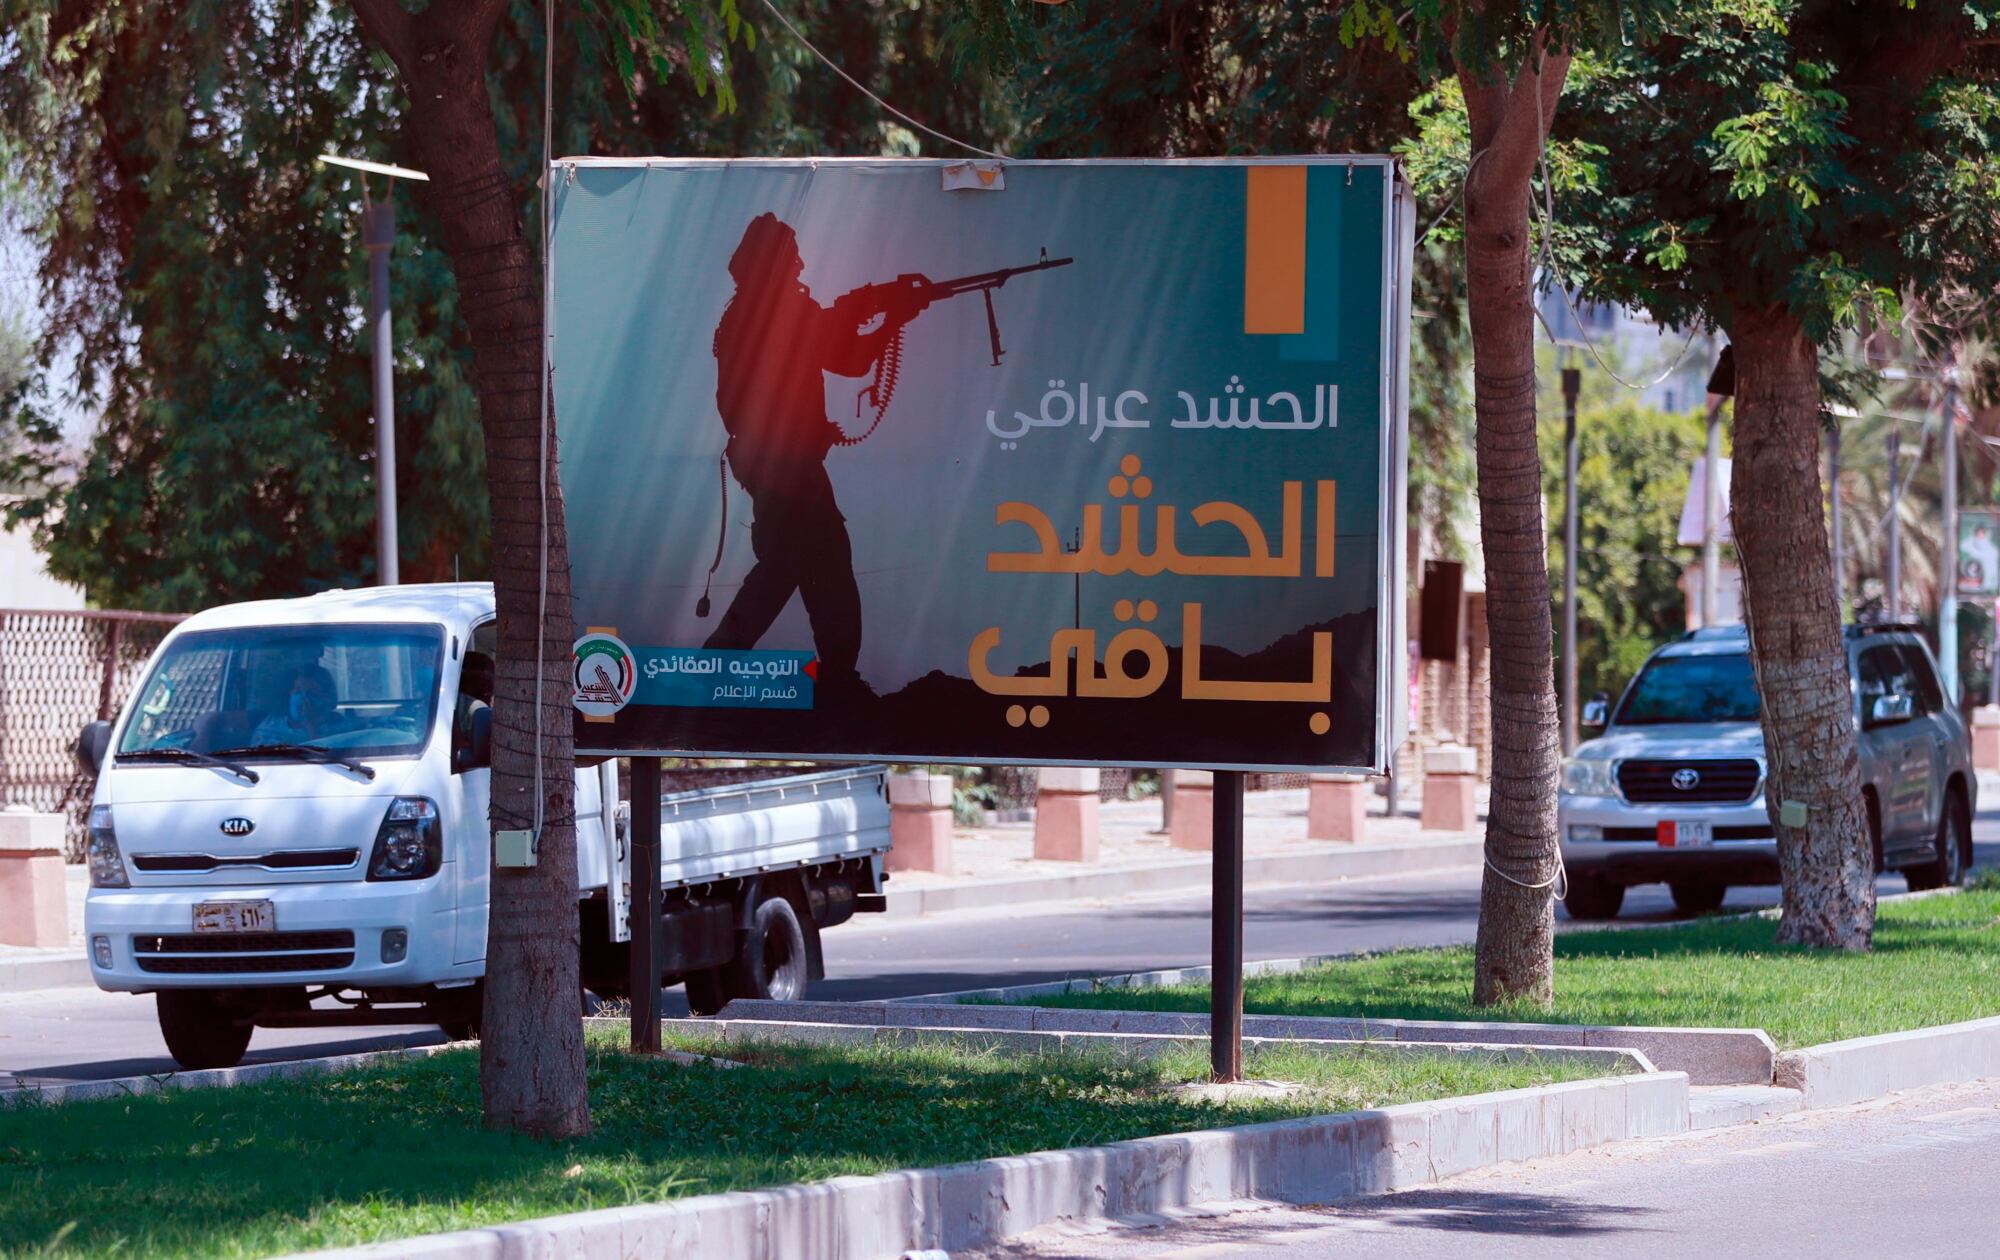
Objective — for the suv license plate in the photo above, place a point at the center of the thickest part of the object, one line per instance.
(235, 916)
(1685, 835)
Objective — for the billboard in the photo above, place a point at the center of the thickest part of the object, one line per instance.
(1978, 552)
(1050, 462)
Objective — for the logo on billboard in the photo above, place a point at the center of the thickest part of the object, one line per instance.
(605, 675)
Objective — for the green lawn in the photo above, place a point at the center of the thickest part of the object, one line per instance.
(396, 1151)
(1936, 961)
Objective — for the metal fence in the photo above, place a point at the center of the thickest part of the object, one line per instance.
(59, 671)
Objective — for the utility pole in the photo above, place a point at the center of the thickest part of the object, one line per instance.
(1948, 577)
(1833, 496)
(1893, 602)
(378, 234)
(1572, 385)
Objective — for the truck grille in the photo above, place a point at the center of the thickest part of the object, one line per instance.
(238, 952)
(1716, 782)
(283, 860)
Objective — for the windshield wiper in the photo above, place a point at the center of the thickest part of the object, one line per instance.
(191, 757)
(310, 752)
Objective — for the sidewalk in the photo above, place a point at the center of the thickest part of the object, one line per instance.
(995, 865)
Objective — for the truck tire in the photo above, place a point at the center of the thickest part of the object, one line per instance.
(1697, 896)
(203, 1028)
(1593, 897)
(773, 961)
(1947, 869)
(706, 993)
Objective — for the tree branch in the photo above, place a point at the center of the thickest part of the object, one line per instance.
(1517, 117)
(389, 24)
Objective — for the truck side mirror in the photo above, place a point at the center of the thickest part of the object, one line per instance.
(1597, 710)
(1890, 709)
(476, 753)
(92, 745)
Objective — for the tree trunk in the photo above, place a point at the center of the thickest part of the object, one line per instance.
(1778, 518)
(1516, 941)
(531, 1051)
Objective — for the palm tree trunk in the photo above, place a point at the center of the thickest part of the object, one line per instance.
(1516, 941)
(531, 1052)
(1778, 515)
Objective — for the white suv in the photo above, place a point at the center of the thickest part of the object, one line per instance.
(1673, 790)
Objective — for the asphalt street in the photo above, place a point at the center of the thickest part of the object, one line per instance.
(1900, 1177)
(82, 1034)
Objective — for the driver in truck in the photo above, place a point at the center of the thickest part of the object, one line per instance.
(309, 711)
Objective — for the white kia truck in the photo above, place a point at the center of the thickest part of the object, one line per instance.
(290, 829)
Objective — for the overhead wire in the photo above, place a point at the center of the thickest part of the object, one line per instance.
(542, 428)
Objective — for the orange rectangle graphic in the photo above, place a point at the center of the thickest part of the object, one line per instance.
(1274, 250)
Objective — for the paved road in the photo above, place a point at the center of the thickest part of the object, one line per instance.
(76, 1034)
(1906, 1177)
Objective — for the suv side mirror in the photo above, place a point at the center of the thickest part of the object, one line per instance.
(92, 745)
(1890, 709)
(476, 753)
(1596, 710)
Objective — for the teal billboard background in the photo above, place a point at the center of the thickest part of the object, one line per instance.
(1146, 323)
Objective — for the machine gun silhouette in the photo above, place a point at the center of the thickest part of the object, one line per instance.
(901, 300)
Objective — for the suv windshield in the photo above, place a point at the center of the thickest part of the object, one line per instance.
(1709, 688)
(366, 690)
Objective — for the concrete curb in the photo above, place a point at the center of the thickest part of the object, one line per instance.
(1274, 868)
(1126, 1043)
(1710, 1056)
(1843, 1072)
(212, 1078)
(1319, 1159)
(54, 971)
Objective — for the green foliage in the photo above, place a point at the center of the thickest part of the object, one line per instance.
(391, 1152)
(1633, 464)
(1823, 155)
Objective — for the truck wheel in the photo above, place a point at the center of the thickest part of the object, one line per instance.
(1593, 897)
(203, 1028)
(1692, 897)
(1947, 869)
(773, 962)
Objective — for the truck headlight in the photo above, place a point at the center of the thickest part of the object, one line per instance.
(107, 865)
(410, 842)
(1588, 777)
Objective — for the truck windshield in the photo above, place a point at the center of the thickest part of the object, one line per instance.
(1719, 688)
(367, 690)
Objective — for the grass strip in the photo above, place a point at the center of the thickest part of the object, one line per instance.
(1936, 960)
(390, 1152)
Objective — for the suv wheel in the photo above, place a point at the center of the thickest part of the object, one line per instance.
(1698, 897)
(1947, 869)
(1593, 897)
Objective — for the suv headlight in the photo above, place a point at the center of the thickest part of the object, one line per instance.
(1588, 777)
(410, 842)
(107, 864)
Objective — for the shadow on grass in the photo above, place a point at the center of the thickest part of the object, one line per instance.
(391, 1152)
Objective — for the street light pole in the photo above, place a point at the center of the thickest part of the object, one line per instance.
(378, 235)
(1572, 385)
(1894, 598)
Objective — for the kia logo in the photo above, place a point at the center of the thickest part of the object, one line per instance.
(237, 826)
(1685, 778)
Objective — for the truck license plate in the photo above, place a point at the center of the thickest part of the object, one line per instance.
(235, 916)
(1685, 835)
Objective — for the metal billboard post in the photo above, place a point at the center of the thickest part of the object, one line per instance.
(1225, 1002)
(1948, 585)
(645, 910)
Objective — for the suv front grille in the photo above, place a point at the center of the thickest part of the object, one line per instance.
(1731, 782)
(224, 952)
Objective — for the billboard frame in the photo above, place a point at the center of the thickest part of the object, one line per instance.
(1391, 722)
